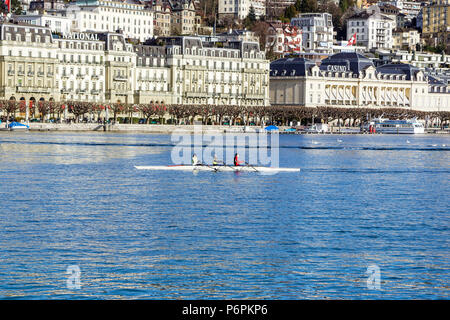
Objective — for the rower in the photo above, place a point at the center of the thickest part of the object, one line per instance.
(215, 161)
(194, 160)
(237, 162)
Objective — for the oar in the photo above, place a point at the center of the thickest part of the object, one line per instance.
(249, 165)
(226, 165)
(211, 167)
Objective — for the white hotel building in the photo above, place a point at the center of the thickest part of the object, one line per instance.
(373, 30)
(240, 8)
(317, 31)
(57, 23)
(351, 80)
(129, 16)
(81, 68)
(103, 67)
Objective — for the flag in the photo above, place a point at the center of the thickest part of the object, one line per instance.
(8, 3)
(352, 40)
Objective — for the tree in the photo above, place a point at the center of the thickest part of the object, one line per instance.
(260, 29)
(308, 6)
(337, 17)
(16, 7)
(118, 108)
(346, 4)
(157, 31)
(250, 20)
(10, 106)
(78, 108)
(150, 110)
(290, 12)
(175, 31)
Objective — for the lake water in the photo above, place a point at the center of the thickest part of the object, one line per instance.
(360, 200)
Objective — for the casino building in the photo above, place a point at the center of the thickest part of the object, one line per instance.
(349, 79)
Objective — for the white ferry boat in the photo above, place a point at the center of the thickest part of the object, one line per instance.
(410, 126)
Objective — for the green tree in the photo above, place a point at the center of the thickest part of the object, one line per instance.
(252, 14)
(250, 20)
(309, 6)
(337, 17)
(346, 4)
(290, 12)
(306, 6)
(16, 7)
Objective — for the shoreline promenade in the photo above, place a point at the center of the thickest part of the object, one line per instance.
(168, 129)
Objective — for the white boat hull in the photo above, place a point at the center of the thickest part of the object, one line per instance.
(401, 130)
(218, 168)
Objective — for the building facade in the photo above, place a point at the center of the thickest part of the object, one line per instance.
(57, 23)
(317, 31)
(373, 30)
(81, 67)
(102, 67)
(410, 8)
(351, 80)
(154, 76)
(184, 19)
(283, 38)
(162, 19)
(131, 17)
(209, 71)
(275, 8)
(405, 39)
(28, 64)
(240, 9)
(436, 23)
(422, 60)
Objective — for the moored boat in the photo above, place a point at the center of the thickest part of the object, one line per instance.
(410, 126)
(17, 126)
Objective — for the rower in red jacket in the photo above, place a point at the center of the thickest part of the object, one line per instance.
(237, 162)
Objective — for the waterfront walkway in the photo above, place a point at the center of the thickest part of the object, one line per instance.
(167, 129)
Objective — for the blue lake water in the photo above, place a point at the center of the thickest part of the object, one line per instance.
(76, 199)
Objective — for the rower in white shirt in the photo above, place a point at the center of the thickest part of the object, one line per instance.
(195, 161)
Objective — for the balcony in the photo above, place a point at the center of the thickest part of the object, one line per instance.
(120, 78)
(30, 73)
(254, 96)
(50, 74)
(80, 76)
(32, 89)
(11, 72)
(196, 94)
(94, 77)
(40, 74)
(95, 91)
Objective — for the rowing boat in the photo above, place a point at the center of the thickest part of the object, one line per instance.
(218, 168)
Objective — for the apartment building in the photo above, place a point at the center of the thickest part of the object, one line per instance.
(373, 30)
(317, 31)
